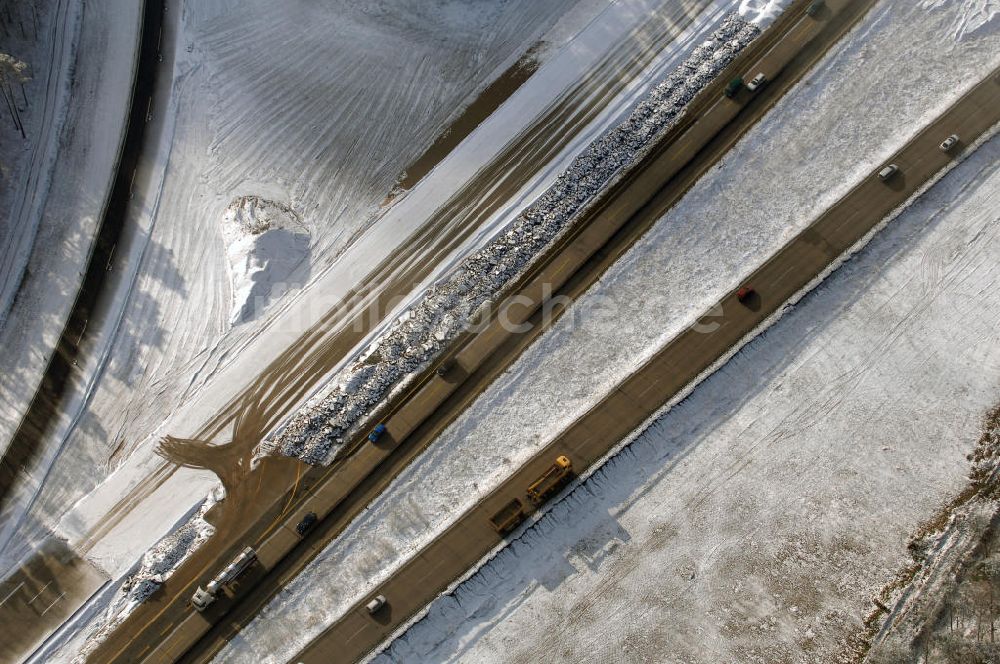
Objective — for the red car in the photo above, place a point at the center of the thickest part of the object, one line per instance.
(745, 293)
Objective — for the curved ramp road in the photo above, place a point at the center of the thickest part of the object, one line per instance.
(54, 581)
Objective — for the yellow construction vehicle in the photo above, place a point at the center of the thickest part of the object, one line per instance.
(551, 480)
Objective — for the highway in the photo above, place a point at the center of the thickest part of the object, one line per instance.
(164, 627)
(673, 369)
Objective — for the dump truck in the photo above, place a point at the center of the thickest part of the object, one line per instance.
(509, 517)
(204, 597)
(551, 480)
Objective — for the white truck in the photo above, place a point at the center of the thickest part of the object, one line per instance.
(204, 597)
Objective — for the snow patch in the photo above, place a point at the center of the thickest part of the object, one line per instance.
(265, 243)
(976, 18)
(156, 566)
(762, 12)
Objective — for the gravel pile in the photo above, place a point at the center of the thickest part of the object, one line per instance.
(317, 431)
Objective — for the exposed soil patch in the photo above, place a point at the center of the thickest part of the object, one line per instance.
(943, 606)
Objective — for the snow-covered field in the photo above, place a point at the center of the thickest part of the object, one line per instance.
(129, 538)
(754, 521)
(692, 256)
(51, 204)
(335, 145)
(33, 62)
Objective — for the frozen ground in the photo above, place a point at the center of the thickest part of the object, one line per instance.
(116, 551)
(27, 50)
(692, 256)
(754, 521)
(323, 143)
(53, 196)
(951, 580)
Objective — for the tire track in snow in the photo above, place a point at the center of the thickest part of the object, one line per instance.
(289, 378)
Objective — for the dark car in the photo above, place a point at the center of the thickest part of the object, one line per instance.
(734, 87)
(745, 293)
(306, 523)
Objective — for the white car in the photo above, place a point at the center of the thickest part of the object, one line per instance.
(376, 604)
(888, 172)
(949, 142)
(756, 82)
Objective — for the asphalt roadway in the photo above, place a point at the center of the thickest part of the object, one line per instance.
(164, 627)
(675, 367)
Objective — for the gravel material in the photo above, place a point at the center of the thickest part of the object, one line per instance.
(318, 430)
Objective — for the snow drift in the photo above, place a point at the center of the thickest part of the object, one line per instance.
(265, 243)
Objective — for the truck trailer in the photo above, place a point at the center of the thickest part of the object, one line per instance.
(509, 517)
(204, 597)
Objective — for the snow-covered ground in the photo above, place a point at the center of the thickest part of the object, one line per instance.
(335, 145)
(762, 12)
(754, 521)
(741, 212)
(52, 203)
(28, 52)
(265, 243)
(610, 32)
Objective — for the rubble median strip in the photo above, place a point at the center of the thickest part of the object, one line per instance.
(316, 433)
(156, 566)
